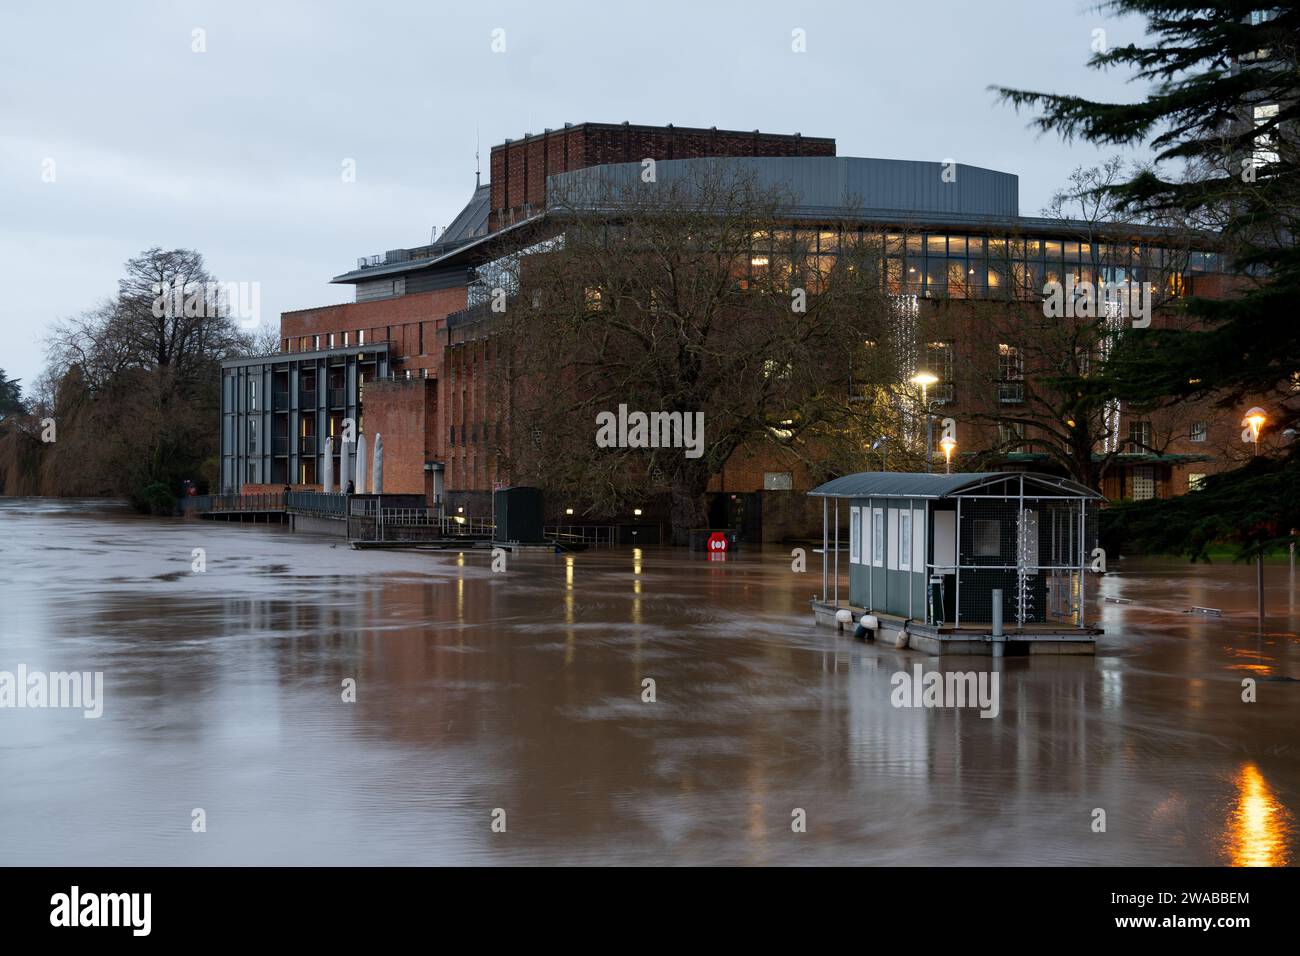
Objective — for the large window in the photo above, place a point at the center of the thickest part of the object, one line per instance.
(938, 361)
(855, 535)
(1011, 374)
(877, 537)
(1011, 437)
(1139, 437)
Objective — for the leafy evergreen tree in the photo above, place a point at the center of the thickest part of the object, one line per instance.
(1220, 118)
(11, 395)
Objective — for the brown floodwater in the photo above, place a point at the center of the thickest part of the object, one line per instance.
(478, 692)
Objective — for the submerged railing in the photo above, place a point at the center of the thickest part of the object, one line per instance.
(594, 535)
(209, 504)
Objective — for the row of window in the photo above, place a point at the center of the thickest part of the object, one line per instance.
(803, 243)
(876, 527)
(328, 340)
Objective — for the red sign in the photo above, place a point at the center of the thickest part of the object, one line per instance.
(717, 542)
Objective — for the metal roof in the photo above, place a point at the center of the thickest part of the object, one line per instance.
(902, 484)
(471, 222)
(836, 185)
(444, 258)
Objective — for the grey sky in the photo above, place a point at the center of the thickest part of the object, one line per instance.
(237, 151)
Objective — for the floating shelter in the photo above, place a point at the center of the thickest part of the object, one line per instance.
(942, 562)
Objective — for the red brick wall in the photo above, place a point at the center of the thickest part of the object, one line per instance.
(394, 320)
(519, 169)
(399, 411)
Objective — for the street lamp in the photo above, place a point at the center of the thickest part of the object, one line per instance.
(925, 380)
(1253, 422)
(880, 443)
(947, 444)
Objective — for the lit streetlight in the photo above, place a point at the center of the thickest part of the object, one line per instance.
(1253, 422)
(925, 380)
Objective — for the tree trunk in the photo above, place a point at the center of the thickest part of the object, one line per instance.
(689, 508)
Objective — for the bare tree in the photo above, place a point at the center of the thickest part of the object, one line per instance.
(1050, 385)
(694, 297)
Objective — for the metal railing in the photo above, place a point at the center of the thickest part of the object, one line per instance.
(209, 504)
(595, 535)
(333, 505)
(457, 526)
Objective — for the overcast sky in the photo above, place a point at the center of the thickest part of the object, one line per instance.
(238, 151)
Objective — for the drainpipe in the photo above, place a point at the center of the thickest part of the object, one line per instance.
(999, 641)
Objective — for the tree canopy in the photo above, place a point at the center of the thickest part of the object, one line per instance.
(1219, 118)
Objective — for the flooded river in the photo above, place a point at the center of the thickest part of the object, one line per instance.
(516, 698)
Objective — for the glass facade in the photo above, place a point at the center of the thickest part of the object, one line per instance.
(967, 265)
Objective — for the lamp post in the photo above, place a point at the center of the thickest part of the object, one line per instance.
(925, 380)
(882, 444)
(1252, 423)
(947, 444)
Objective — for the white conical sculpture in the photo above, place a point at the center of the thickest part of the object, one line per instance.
(344, 465)
(327, 467)
(377, 473)
(361, 464)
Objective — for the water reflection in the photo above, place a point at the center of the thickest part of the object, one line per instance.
(1259, 829)
(523, 690)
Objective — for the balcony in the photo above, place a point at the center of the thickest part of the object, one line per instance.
(307, 445)
(306, 399)
(280, 445)
(338, 397)
(281, 402)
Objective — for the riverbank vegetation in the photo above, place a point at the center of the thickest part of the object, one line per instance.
(129, 403)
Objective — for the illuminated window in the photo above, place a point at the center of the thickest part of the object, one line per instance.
(1265, 152)
(1011, 437)
(1139, 437)
(938, 360)
(1011, 374)
(1199, 431)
